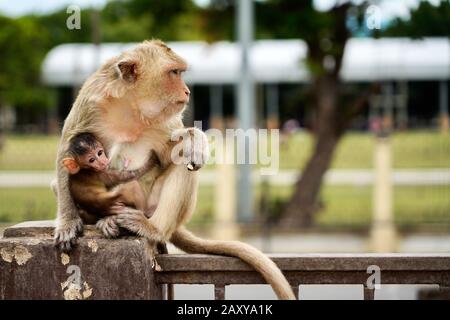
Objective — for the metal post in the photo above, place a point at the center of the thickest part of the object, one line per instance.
(272, 98)
(246, 105)
(443, 106)
(402, 105)
(216, 102)
(388, 106)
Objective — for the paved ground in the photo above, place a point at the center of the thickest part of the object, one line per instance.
(435, 176)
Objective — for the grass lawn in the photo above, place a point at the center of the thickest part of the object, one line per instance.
(416, 149)
(29, 152)
(351, 206)
(20, 204)
(344, 206)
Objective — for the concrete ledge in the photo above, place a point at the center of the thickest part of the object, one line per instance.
(98, 268)
(43, 229)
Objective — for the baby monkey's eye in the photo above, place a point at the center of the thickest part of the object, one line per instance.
(91, 160)
(100, 153)
(176, 72)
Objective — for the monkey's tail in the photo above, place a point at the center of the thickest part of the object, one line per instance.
(188, 242)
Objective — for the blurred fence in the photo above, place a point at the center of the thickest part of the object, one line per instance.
(421, 181)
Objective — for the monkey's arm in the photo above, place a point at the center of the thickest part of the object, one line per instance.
(68, 222)
(112, 177)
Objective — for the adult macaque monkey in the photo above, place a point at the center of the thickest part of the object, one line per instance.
(133, 104)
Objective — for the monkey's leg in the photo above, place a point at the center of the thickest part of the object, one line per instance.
(68, 222)
(176, 203)
(133, 195)
(177, 200)
(153, 198)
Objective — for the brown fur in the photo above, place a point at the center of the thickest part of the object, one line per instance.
(151, 100)
(96, 198)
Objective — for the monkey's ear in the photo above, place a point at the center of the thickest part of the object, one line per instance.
(71, 165)
(127, 70)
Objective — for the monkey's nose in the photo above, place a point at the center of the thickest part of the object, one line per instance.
(187, 91)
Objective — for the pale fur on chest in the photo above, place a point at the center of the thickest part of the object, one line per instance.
(126, 135)
(136, 152)
(121, 121)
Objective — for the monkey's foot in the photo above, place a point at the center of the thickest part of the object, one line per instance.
(136, 222)
(109, 227)
(66, 233)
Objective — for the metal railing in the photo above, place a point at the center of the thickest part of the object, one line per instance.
(308, 269)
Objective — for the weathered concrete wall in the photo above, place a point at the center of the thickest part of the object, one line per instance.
(98, 268)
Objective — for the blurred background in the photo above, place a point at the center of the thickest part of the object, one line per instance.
(358, 90)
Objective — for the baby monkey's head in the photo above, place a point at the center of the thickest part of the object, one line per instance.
(87, 153)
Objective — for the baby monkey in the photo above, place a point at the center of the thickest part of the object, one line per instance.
(96, 189)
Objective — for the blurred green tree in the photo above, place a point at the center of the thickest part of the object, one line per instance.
(137, 20)
(331, 106)
(426, 20)
(25, 41)
(23, 45)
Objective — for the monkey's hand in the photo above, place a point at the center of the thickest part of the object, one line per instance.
(66, 233)
(195, 147)
(108, 226)
(199, 153)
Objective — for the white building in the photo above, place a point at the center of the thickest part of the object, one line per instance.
(278, 65)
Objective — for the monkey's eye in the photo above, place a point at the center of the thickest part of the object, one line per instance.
(100, 152)
(91, 160)
(176, 72)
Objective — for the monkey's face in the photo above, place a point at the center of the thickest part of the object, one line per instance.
(94, 159)
(155, 74)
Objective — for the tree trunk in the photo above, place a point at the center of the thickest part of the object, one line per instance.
(304, 204)
(331, 122)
